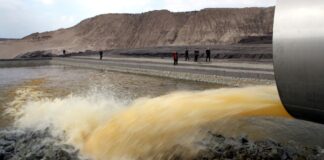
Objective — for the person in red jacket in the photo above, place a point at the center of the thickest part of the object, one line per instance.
(175, 58)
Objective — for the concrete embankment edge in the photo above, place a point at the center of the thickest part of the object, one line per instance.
(24, 62)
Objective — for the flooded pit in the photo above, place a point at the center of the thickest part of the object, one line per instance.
(109, 115)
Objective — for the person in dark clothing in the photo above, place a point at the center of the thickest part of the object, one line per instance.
(175, 58)
(187, 55)
(64, 53)
(101, 55)
(196, 55)
(208, 53)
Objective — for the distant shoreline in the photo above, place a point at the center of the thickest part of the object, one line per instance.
(8, 39)
(237, 52)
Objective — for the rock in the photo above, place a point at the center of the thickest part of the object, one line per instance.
(5, 143)
(10, 149)
(2, 154)
(10, 137)
(243, 148)
(36, 145)
(243, 140)
(16, 144)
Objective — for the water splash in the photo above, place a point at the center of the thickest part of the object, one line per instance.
(104, 128)
(29, 92)
(151, 126)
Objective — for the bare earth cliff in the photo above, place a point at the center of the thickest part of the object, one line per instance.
(151, 29)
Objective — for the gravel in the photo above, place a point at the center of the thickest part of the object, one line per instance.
(18, 144)
(216, 146)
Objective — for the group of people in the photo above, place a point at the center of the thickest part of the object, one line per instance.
(175, 56)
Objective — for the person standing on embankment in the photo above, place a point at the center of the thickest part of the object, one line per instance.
(64, 53)
(196, 55)
(175, 58)
(208, 53)
(187, 55)
(101, 55)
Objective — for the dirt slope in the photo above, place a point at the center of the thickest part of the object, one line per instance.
(150, 29)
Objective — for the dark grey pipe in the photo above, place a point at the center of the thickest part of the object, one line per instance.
(299, 57)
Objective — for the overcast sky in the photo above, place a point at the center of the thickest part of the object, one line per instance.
(19, 18)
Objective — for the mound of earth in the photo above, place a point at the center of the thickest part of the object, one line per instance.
(150, 29)
(36, 54)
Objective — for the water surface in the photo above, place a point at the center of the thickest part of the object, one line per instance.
(60, 81)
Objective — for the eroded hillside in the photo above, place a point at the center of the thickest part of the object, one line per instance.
(150, 29)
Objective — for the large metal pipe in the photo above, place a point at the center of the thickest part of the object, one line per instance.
(299, 57)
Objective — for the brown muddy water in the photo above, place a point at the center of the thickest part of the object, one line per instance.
(109, 115)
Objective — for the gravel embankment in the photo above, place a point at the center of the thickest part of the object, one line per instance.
(33, 145)
(227, 74)
(18, 144)
(219, 147)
